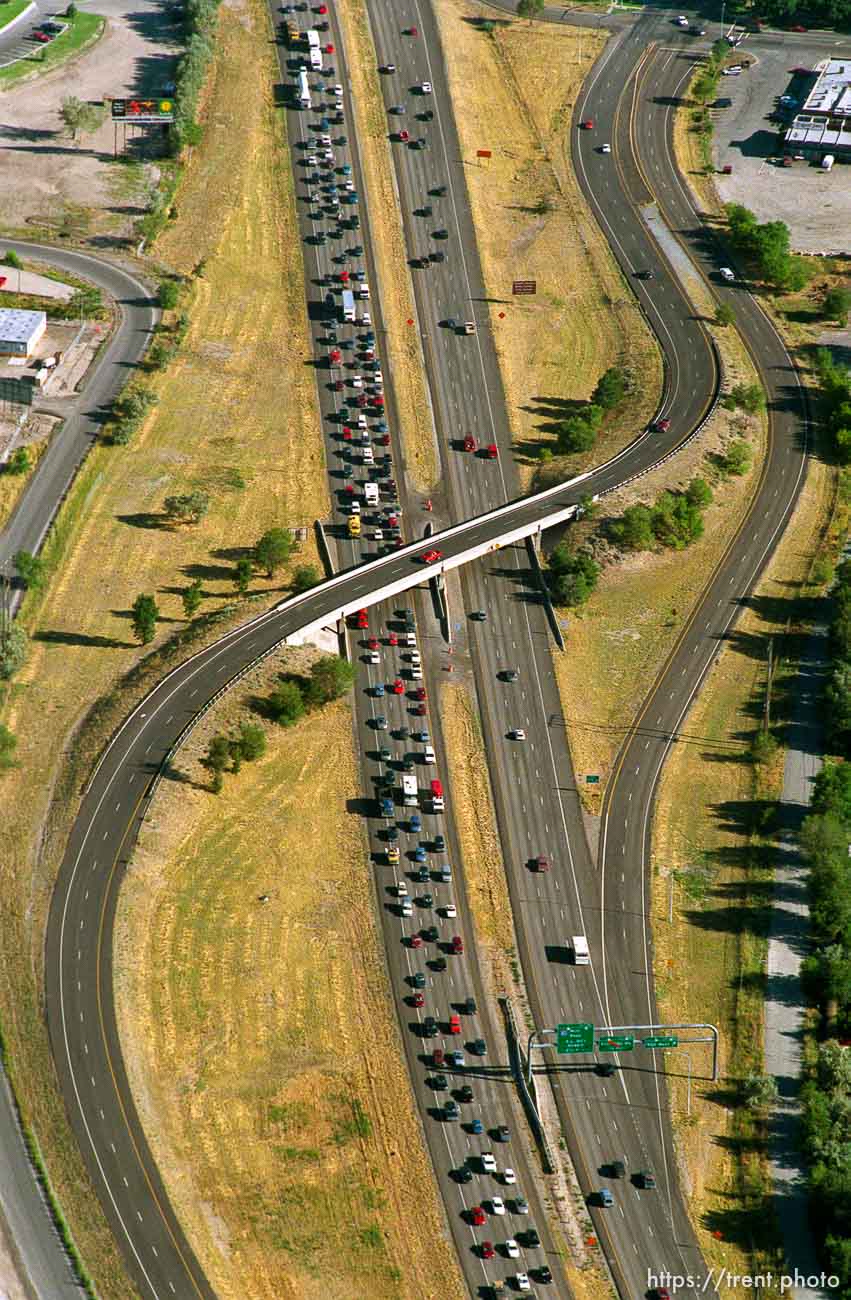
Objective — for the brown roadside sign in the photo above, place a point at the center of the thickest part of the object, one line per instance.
(524, 286)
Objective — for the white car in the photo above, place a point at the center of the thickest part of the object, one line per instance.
(517, 733)
(732, 72)
(509, 1177)
(424, 88)
(682, 21)
(522, 1282)
(373, 657)
(354, 508)
(357, 381)
(401, 888)
(727, 273)
(378, 378)
(365, 318)
(407, 907)
(378, 535)
(605, 148)
(416, 673)
(338, 91)
(512, 1250)
(488, 1162)
(450, 911)
(498, 1206)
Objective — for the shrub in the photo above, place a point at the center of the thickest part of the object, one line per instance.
(14, 648)
(168, 294)
(611, 387)
(188, 508)
(286, 703)
(273, 549)
(19, 462)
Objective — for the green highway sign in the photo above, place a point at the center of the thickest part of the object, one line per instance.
(616, 1043)
(575, 1038)
(660, 1040)
(592, 780)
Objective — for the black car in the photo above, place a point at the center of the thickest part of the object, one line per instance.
(427, 115)
(391, 832)
(501, 1134)
(477, 615)
(617, 1169)
(438, 963)
(418, 980)
(450, 323)
(419, 144)
(440, 234)
(468, 1008)
(431, 934)
(605, 1069)
(543, 1274)
(478, 1047)
(439, 844)
(451, 1111)
(645, 1179)
(465, 1094)
(429, 1027)
(439, 1082)
(426, 900)
(510, 675)
(530, 1238)
(421, 875)
(439, 191)
(463, 1175)
(644, 275)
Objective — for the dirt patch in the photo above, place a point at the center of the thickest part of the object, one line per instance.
(413, 409)
(260, 1036)
(34, 187)
(533, 223)
(237, 417)
(643, 599)
(716, 975)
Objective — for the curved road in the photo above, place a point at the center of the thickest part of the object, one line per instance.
(82, 1026)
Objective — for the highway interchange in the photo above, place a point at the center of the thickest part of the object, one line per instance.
(603, 1119)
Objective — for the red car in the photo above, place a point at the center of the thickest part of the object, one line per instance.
(454, 1024)
(392, 639)
(404, 136)
(418, 1000)
(415, 941)
(344, 277)
(491, 452)
(347, 433)
(329, 49)
(457, 944)
(661, 426)
(398, 687)
(541, 862)
(588, 124)
(363, 618)
(419, 693)
(477, 1216)
(338, 385)
(419, 710)
(469, 442)
(488, 1251)
(377, 401)
(322, 9)
(437, 1057)
(410, 31)
(431, 557)
(384, 440)
(41, 37)
(372, 643)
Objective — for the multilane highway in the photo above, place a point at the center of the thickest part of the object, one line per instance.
(79, 992)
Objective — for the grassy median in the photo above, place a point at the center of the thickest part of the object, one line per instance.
(533, 223)
(260, 1035)
(237, 418)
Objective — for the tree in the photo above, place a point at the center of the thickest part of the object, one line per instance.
(168, 295)
(610, 389)
(13, 650)
(19, 462)
(216, 760)
(71, 11)
(634, 528)
(699, 493)
(249, 745)
(274, 549)
(737, 460)
(330, 677)
(571, 576)
(578, 432)
(145, 615)
(8, 744)
(746, 397)
(286, 703)
(763, 748)
(836, 304)
(242, 574)
(530, 9)
(189, 508)
(11, 259)
(305, 577)
(192, 597)
(80, 118)
(724, 314)
(759, 1091)
(30, 569)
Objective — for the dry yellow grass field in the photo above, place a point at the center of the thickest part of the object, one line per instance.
(643, 600)
(12, 485)
(237, 406)
(532, 223)
(397, 304)
(691, 832)
(261, 1036)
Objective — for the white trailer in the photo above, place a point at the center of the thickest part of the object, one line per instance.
(348, 305)
(303, 90)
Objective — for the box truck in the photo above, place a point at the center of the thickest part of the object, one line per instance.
(409, 791)
(370, 492)
(579, 946)
(348, 307)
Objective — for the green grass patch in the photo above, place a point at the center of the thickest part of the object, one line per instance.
(10, 11)
(83, 30)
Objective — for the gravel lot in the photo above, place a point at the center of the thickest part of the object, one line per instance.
(816, 205)
(41, 170)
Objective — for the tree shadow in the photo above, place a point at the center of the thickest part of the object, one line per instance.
(145, 519)
(55, 637)
(207, 572)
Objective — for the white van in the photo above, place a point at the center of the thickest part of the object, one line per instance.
(827, 162)
(428, 754)
(368, 456)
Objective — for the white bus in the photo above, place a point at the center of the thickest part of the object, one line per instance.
(303, 90)
(348, 305)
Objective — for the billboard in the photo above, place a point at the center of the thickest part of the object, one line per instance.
(143, 110)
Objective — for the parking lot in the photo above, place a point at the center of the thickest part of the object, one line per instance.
(816, 205)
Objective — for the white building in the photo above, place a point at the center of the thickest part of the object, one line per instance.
(20, 331)
(822, 124)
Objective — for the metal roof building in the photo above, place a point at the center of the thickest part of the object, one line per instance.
(20, 331)
(822, 124)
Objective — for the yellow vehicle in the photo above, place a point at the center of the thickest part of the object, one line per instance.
(393, 853)
(354, 525)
